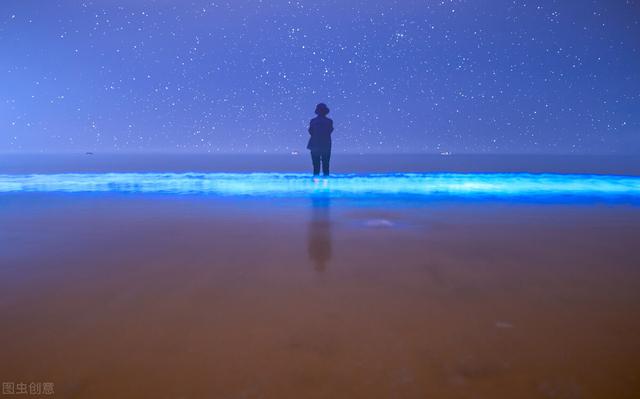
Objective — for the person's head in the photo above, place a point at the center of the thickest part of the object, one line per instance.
(322, 109)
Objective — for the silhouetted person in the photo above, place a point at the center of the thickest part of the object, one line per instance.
(320, 129)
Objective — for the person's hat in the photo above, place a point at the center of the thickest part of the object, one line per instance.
(322, 109)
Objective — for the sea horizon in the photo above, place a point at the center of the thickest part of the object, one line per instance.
(62, 162)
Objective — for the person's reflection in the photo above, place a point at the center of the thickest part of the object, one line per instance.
(319, 238)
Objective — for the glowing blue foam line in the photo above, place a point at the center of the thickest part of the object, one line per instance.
(296, 184)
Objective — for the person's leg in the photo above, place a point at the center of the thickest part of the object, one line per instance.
(326, 156)
(315, 159)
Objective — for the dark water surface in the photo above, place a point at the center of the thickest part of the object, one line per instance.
(341, 163)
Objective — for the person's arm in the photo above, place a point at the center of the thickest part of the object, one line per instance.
(331, 127)
(311, 128)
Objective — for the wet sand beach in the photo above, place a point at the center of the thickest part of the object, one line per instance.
(124, 295)
(133, 296)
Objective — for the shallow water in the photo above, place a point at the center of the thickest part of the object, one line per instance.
(373, 185)
(164, 295)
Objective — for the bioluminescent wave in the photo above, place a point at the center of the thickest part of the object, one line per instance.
(341, 185)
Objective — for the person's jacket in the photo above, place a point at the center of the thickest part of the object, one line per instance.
(320, 129)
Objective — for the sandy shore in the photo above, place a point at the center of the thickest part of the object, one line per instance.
(134, 296)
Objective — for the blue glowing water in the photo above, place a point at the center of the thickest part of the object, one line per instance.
(341, 185)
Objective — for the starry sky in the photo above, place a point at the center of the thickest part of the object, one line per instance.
(403, 76)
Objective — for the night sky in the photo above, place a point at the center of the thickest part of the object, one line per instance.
(474, 76)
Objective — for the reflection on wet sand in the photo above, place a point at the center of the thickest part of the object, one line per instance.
(319, 236)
